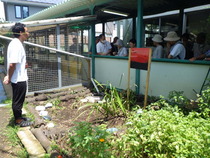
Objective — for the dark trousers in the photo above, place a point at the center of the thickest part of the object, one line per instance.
(19, 93)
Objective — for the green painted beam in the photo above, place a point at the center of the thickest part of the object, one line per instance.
(67, 7)
(93, 43)
(139, 38)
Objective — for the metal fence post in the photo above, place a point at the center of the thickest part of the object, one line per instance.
(58, 55)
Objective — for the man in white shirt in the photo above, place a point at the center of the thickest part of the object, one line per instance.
(103, 47)
(17, 73)
(177, 49)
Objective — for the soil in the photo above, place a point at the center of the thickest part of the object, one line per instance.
(64, 114)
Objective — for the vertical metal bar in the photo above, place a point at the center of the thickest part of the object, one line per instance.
(181, 12)
(118, 29)
(93, 44)
(139, 43)
(103, 28)
(184, 23)
(82, 41)
(134, 28)
(160, 23)
(58, 55)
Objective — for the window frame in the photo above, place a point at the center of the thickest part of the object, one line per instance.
(23, 11)
(16, 11)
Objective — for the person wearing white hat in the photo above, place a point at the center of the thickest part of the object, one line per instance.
(177, 49)
(158, 51)
(122, 51)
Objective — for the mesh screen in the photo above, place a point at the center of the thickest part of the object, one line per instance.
(44, 64)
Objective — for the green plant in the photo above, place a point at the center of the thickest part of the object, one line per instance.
(114, 103)
(1, 60)
(89, 141)
(204, 103)
(56, 103)
(163, 134)
(58, 149)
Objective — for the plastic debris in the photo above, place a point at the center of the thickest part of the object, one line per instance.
(43, 113)
(48, 105)
(93, 99)
(101, 101)
(40, 108)
(48, 118)
(129, 123)
(139, 111)
(50, 125)
(112, 130)
(84, 100)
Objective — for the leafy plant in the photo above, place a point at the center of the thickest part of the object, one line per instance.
(162, 134)
(1, 60)
(204, 103)
(89, 141)
(56, 103)
(114, 103)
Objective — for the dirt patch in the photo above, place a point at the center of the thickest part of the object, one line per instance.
(65, 113)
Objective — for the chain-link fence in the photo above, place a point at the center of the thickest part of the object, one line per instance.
(52, 66)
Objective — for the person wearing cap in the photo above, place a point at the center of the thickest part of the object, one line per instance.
(177, 49)
(103, 47)
(158, 51)
(122, 51)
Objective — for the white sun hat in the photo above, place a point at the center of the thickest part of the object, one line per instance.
(157, 38)
(171, 36)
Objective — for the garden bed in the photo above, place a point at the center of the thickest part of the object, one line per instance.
(87, 126)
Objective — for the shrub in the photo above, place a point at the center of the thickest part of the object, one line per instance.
(163, 134)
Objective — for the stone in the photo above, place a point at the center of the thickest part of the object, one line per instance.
(32, 145)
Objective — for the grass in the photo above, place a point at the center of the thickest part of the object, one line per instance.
(10, 132)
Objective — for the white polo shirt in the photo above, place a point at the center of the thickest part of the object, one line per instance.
(16, 54)
(103, 47)
(178, 51)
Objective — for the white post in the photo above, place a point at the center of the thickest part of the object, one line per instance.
(58, 56)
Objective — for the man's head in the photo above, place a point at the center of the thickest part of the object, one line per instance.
(201, 38)
(20, 31)
(119, 43)
(102, 37)
(74, 40)
(132, 43)
(115, 39)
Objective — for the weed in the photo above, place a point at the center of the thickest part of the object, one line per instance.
(89, 141)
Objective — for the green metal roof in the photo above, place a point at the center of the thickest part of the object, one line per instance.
(71, 8)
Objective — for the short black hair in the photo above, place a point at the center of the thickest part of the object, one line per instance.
(17, 28)
(101, 35)
(133, 40)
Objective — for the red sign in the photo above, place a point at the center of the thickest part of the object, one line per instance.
(139, 58)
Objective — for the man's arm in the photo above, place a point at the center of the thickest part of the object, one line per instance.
(7, 79)
(200, 57)
(170, 56)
